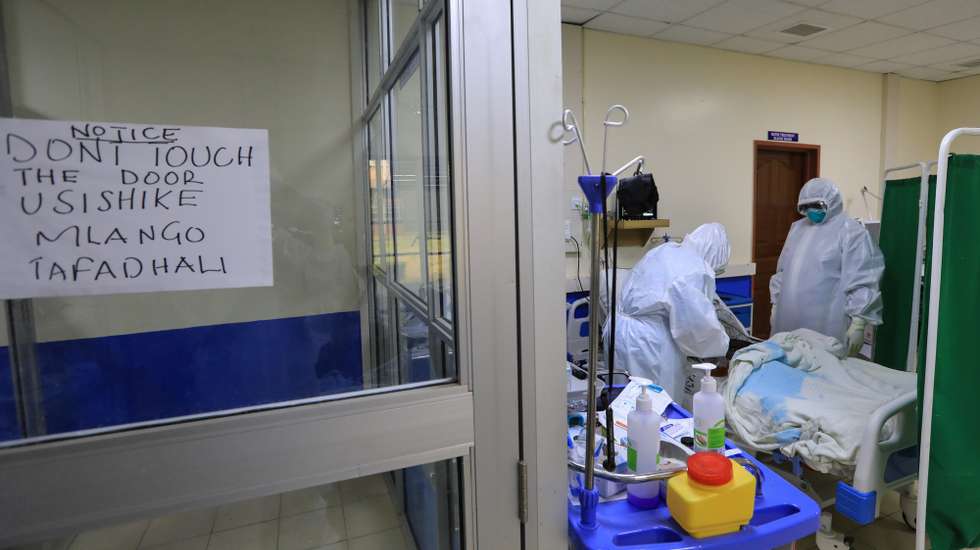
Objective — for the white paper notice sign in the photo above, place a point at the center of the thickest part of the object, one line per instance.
(105, 208)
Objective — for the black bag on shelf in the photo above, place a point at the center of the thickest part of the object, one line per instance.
(638, 197)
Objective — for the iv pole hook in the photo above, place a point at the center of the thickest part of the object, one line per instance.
(610, 121)
(570, 123)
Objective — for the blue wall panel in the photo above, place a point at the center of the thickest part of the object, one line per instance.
(112, 380)
(8, 414)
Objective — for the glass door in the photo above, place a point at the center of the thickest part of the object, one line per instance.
(362, 394)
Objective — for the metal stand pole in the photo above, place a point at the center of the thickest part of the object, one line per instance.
(594, 279)
(595, 192)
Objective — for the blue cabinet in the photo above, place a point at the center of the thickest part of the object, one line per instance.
(736, 292)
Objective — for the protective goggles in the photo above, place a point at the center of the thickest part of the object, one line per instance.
(802, 208)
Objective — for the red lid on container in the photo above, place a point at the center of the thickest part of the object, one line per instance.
(709, 468)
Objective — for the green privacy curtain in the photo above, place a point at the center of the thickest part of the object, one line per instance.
(953, 517)
(899, 233)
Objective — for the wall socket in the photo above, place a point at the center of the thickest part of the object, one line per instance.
(568, 230)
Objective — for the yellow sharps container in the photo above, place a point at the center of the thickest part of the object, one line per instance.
(714, 497)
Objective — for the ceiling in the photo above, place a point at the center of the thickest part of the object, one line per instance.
(929, 40)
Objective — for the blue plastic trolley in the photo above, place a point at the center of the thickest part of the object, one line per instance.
(782, 515)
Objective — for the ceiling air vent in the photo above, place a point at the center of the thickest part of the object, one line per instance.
(803, 30)
(970, 64)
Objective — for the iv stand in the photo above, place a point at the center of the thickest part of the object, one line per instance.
(595, 196)
(596, 190)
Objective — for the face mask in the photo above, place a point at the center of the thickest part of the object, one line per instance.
(816, 215)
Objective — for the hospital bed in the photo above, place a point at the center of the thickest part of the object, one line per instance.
(882, 464)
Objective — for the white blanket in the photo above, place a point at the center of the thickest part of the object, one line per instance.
(797, 392)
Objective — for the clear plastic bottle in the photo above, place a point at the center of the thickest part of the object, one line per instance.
(643, 450)
(709, 414)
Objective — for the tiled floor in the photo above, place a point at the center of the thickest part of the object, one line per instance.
(358, 514)
(889, 532)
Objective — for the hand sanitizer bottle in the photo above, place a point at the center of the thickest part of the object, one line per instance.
(709, 414)
(643, 451)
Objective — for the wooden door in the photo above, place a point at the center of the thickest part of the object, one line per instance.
(780, 172)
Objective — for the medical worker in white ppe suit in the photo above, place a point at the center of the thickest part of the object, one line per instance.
(828, 272)
(666, 311)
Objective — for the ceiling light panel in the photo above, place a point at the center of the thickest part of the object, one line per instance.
(901, 46)
(747, 45)
(739, 16)
(856, 36)
(671, 11)
(621, 24)
(884, 66)
(797, 53)
(843, 60)
(933, 14)
(954, 52)
(869, 9)
(968, 29)
(926, 73)
(691, 35)
(808, 3)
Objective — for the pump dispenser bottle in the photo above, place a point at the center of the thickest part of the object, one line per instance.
(709, 414)
(643, 451)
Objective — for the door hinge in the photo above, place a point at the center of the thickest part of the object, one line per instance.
(522, 490)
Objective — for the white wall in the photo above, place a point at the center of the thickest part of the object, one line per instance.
(923, 112)
(918, 131)
(283, 66)
(910, 126)
(571, 61)
(696, 111)
(959, 102)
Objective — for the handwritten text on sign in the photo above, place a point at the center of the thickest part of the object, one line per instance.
(103, 208)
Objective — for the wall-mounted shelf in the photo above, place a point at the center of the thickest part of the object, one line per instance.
(636, 232)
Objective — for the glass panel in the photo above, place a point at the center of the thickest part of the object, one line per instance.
(384, 330)
(448, 357)
(111, 360)
(422, 512)
(413, 345)
(406, 179)
(372, 37)
(432, 505)
(439, 185)
(379, 183)
(403, 13)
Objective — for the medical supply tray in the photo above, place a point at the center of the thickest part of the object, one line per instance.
(782, 515)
